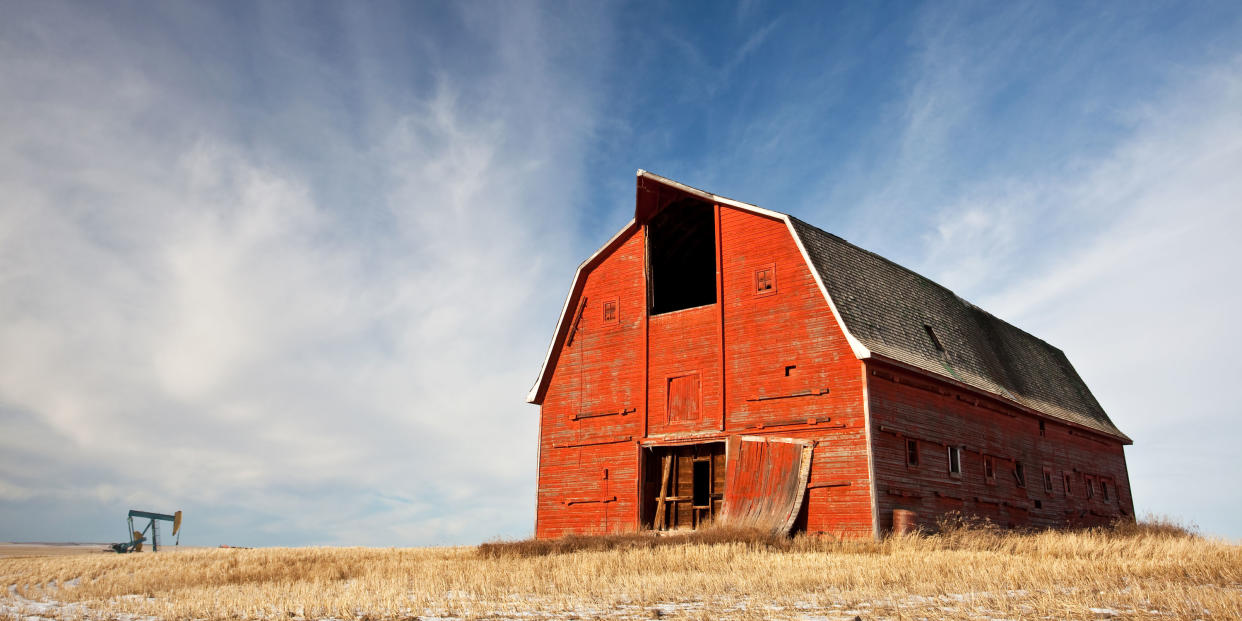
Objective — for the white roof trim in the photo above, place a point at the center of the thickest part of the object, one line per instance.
(858, 348)
(712, 197)
(530, 397)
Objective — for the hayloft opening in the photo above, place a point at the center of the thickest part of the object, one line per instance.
(681, 257)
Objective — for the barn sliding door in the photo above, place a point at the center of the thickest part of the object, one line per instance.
(765, 481)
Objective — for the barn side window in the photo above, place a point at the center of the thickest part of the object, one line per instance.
(610, 312)
(1104, 489)
(1068, 489)
(955, 461)
(1090, 488)
(912, 452)
(1019, 474)
(681, 257)
(1042, 431)
(765, 280)
(1047, 481)
(988, 472)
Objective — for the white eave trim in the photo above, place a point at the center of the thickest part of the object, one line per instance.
(860, 350)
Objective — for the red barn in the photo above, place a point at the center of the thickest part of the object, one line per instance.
(716, 361)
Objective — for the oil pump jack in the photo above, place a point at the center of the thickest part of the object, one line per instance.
(153, 527)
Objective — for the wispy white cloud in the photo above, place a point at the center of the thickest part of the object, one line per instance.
(188, 320)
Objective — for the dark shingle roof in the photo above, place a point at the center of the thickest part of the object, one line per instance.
(889, 308)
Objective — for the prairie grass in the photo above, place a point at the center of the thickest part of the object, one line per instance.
(1150, 570)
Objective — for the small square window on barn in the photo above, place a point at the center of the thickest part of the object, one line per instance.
(1047, 481)
(765, 280)
(610, 312)
(988, 472)
(955, 461)
(912, 452)
(1019, 474)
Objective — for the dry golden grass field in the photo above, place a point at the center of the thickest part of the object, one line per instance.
(1149, 571)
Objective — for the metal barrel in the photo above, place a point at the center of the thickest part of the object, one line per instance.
(904, 521)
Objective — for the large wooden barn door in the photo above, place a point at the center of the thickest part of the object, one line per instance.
(765, 481)
(684, 486)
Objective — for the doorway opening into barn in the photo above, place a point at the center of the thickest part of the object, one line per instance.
(681, 256)
(683, 486)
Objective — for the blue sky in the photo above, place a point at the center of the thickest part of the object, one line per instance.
(292, 267)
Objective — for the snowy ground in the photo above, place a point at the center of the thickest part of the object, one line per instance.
(949, 606)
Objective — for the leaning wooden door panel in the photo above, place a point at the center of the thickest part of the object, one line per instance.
(765, 481)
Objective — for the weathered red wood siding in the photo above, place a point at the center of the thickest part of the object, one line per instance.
(685, 342)
(746, 392)
(764, 334)
(904, 406)
(588, 468)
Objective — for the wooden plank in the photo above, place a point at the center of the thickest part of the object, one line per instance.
(658, 522)
(808, 393)
(573, 329)
(583, 501)
(625, 412)
(614, 441)
(833, 484)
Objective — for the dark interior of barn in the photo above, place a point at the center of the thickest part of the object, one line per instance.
(681, 256)
(683, 486)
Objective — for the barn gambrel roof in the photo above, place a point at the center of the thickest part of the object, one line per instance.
(889, 310)
(891, 313)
